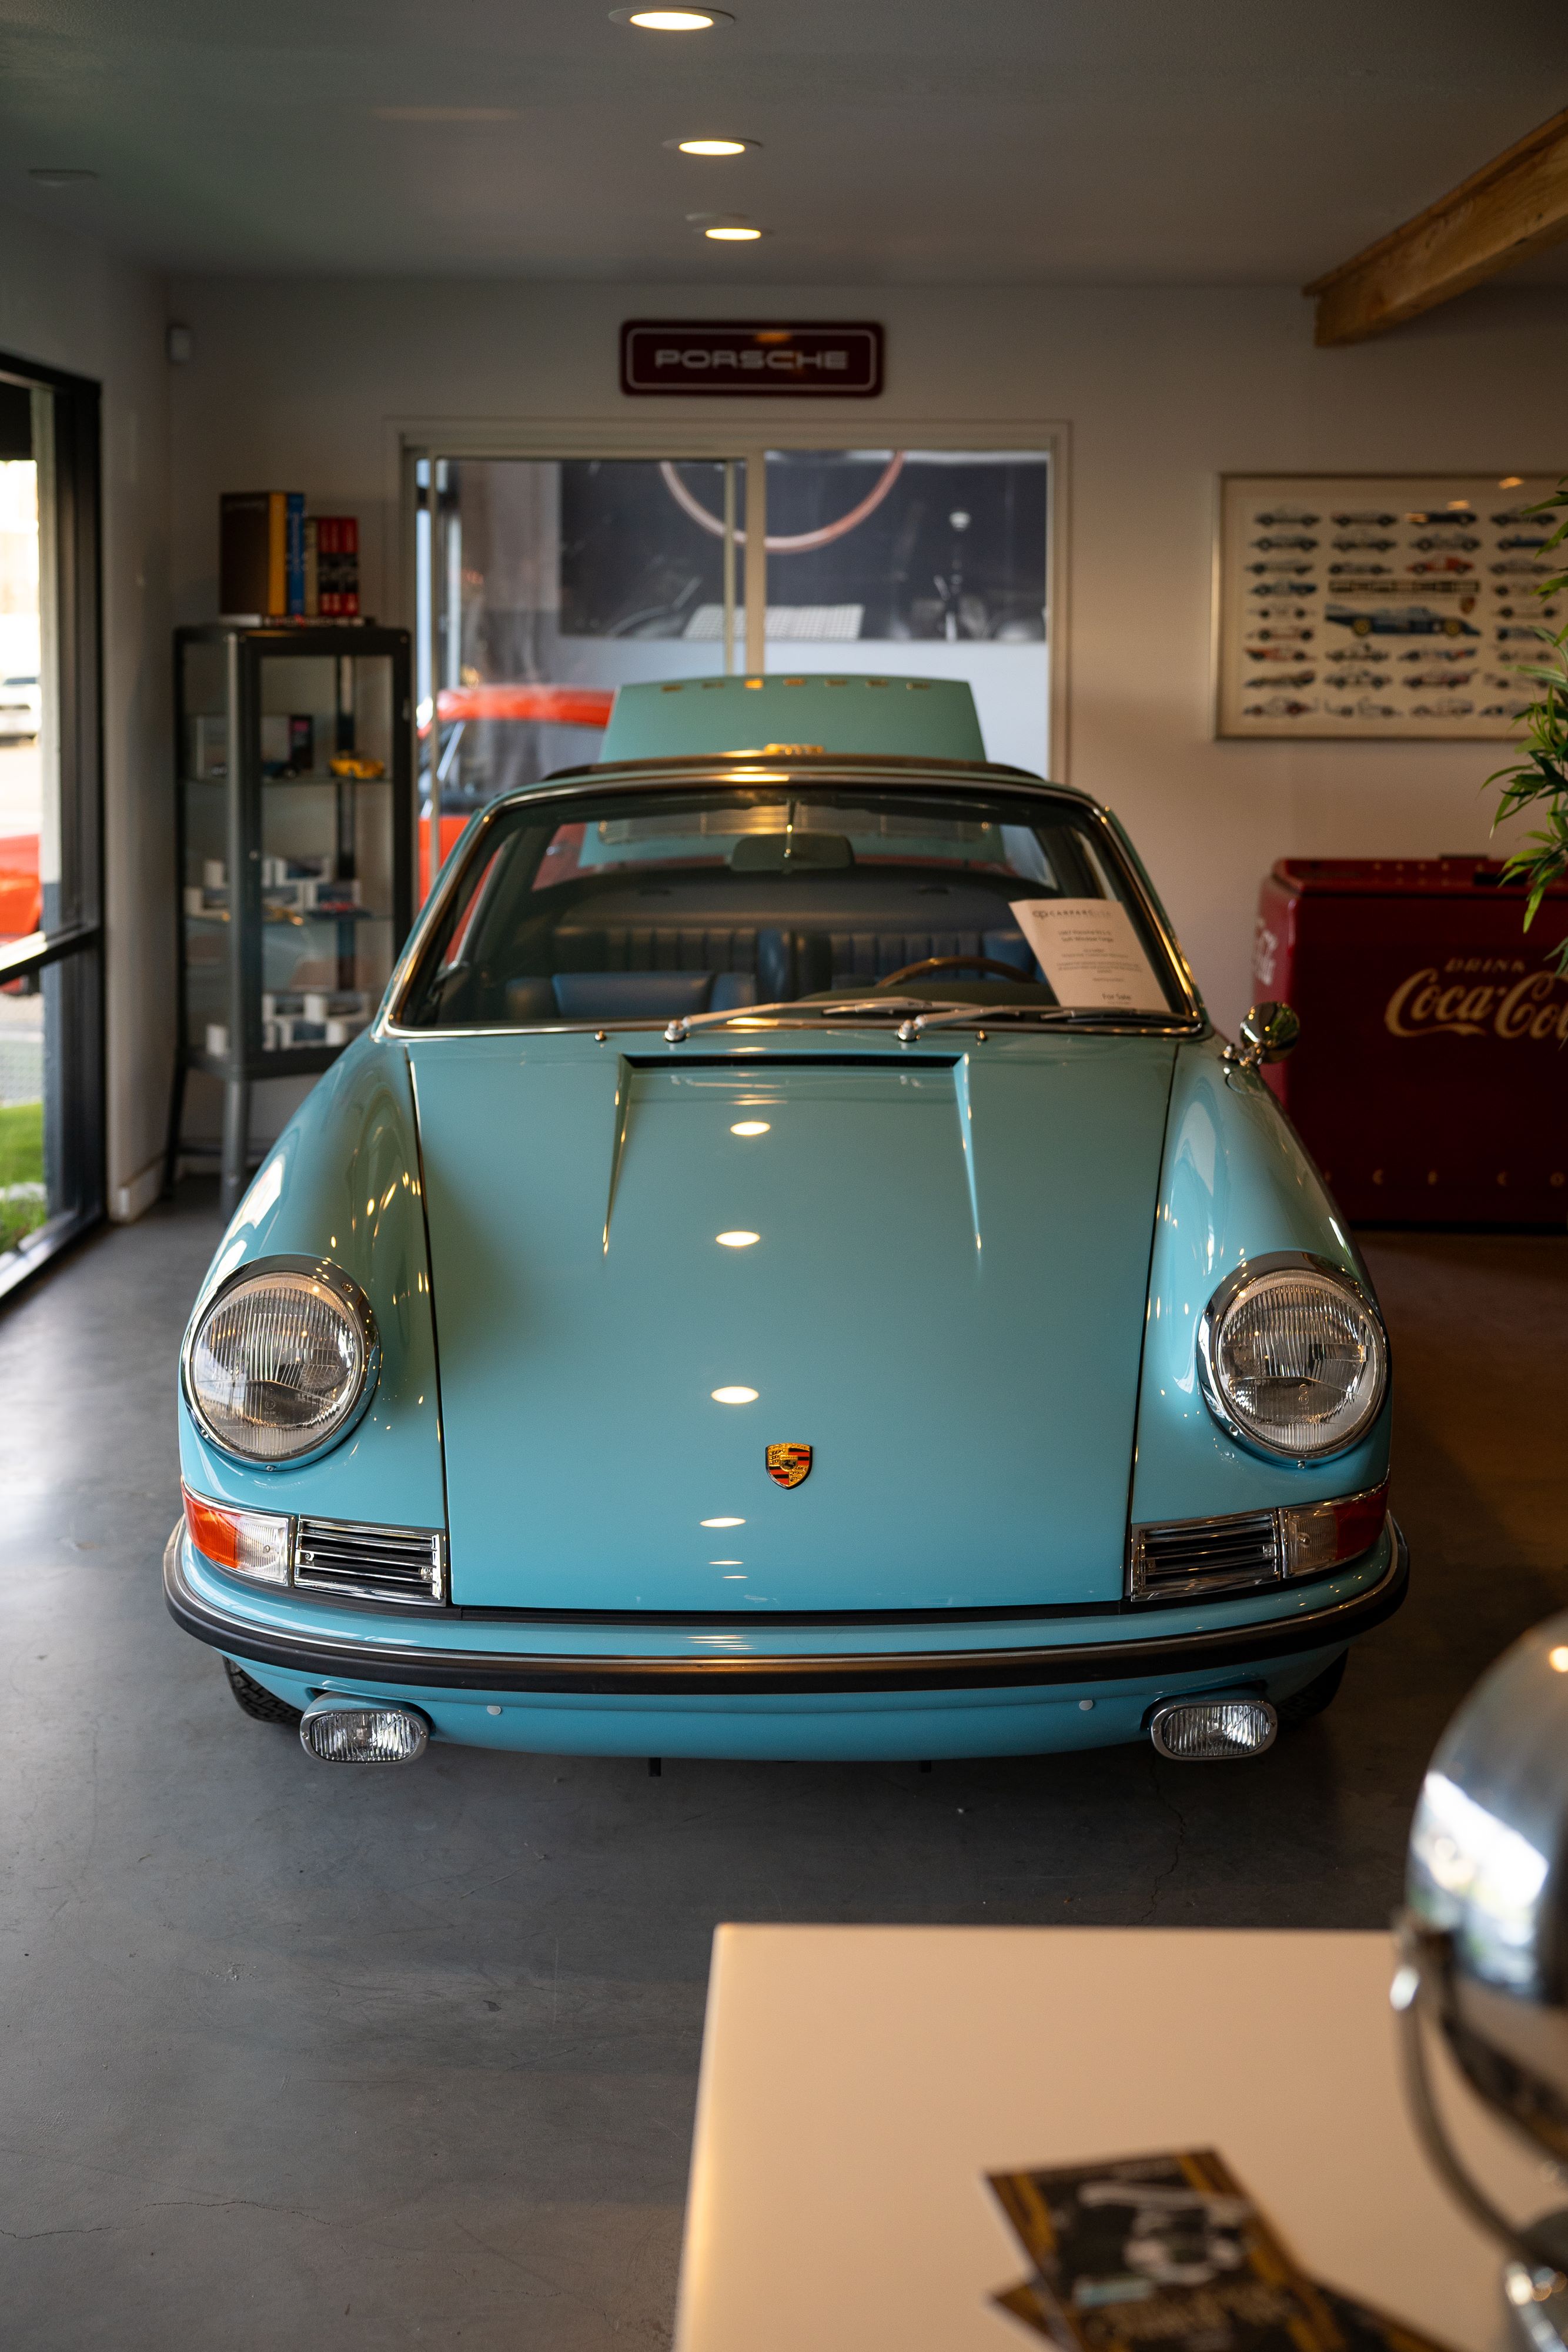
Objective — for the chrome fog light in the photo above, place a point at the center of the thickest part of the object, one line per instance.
(1212, 1730)
(361, 1731)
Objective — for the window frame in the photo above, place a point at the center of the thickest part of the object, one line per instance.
(76, 514)
(716, 438)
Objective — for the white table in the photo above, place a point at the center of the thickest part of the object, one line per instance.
(858, 2082)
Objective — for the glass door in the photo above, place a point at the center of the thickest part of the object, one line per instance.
(51, 1177)
(542, 585)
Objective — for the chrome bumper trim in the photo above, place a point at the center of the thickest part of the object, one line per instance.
(1152, 1656)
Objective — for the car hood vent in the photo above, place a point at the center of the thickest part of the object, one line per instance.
(1205, 1556)
(366, 1563)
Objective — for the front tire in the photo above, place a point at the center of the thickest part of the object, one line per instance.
(1302, 1705)
(258, 1704)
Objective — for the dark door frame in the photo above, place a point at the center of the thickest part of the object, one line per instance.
(67, 954)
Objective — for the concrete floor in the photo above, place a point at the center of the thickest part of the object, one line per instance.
(407, 2060)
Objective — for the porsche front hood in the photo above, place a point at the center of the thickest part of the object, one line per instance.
(945, 1300)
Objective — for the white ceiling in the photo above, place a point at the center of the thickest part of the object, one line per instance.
(1029, 141)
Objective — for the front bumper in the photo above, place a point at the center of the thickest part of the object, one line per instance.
(334, 1659)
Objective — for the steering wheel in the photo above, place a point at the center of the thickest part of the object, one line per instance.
(952, 963)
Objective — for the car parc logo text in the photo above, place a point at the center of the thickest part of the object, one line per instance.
(1460, 1001)
(748, 355)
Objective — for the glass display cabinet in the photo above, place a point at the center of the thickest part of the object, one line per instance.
(296, 853)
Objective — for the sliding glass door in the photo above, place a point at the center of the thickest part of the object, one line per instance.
(542, 585)
(51, 1079)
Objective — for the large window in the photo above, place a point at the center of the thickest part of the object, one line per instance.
(51, 1179)
(544, 583)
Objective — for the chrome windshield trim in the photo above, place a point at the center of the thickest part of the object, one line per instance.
(858, 768)
(1139, 1659)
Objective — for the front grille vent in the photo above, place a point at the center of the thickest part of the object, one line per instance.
(363, 1563)
(1200, 1556)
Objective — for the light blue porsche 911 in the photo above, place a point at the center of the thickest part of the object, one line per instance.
(792, 1271)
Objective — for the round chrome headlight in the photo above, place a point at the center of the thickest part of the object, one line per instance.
(282, 1360)
(1292, 1358)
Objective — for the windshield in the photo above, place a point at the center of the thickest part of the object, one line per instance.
(690, 900)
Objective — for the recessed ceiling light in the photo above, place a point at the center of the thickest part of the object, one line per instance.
(734, 1396)
(736, 1240)
(724, 1523)
(58, 176)
(672, 20)
(733, 235)
(750, 1127)
(712, 146)
(1510, 482)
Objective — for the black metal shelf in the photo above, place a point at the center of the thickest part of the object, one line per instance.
(342, 828)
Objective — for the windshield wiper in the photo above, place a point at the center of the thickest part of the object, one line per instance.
(1050, 1016)
(929, 1014)
(682, 1025)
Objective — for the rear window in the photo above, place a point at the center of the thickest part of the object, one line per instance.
(659, 905)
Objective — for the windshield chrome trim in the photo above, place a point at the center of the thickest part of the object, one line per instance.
(648, 777)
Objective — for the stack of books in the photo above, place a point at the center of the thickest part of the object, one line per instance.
(276, 562)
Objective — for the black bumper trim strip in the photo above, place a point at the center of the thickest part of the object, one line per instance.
(1212, 1651)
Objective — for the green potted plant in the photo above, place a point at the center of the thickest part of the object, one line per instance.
(1537, 779)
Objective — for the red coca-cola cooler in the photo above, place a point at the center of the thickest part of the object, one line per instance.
(1431, 1080)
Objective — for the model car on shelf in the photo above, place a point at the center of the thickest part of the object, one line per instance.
(1279, 706)
(1399, 620)
(1275, 654)
(1358, 653)
(1363, 707)
(1360, 570)
(1436, 653)
(1284, 515)
(1370, 543)
(1367, 521)
(1278, 570)
(791, 1270)
(1266, 637)
(1420, 677)
(1458, 515)
(1504, 709)
(1289, 678)
(1345, 679)
(1524, 567)
(1441, 563)
(1524, 538)
(1450, 706)
(1278, 609)
(1294, 539)
(1517, 514)
(1275, 589)
(1447, 542)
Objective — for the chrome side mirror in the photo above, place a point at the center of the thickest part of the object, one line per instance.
(1267, 1033)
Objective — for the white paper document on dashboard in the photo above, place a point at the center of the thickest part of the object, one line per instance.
(1090, 953)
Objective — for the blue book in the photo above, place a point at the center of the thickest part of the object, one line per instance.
(294, 554)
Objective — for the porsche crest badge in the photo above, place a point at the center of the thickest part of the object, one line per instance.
(789, 1464)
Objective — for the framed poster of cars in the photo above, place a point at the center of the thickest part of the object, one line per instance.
(1366, 604)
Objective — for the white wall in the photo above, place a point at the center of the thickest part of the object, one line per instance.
(65, 303)
(304, 385)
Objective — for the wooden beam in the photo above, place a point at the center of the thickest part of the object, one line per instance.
(1512, 206)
